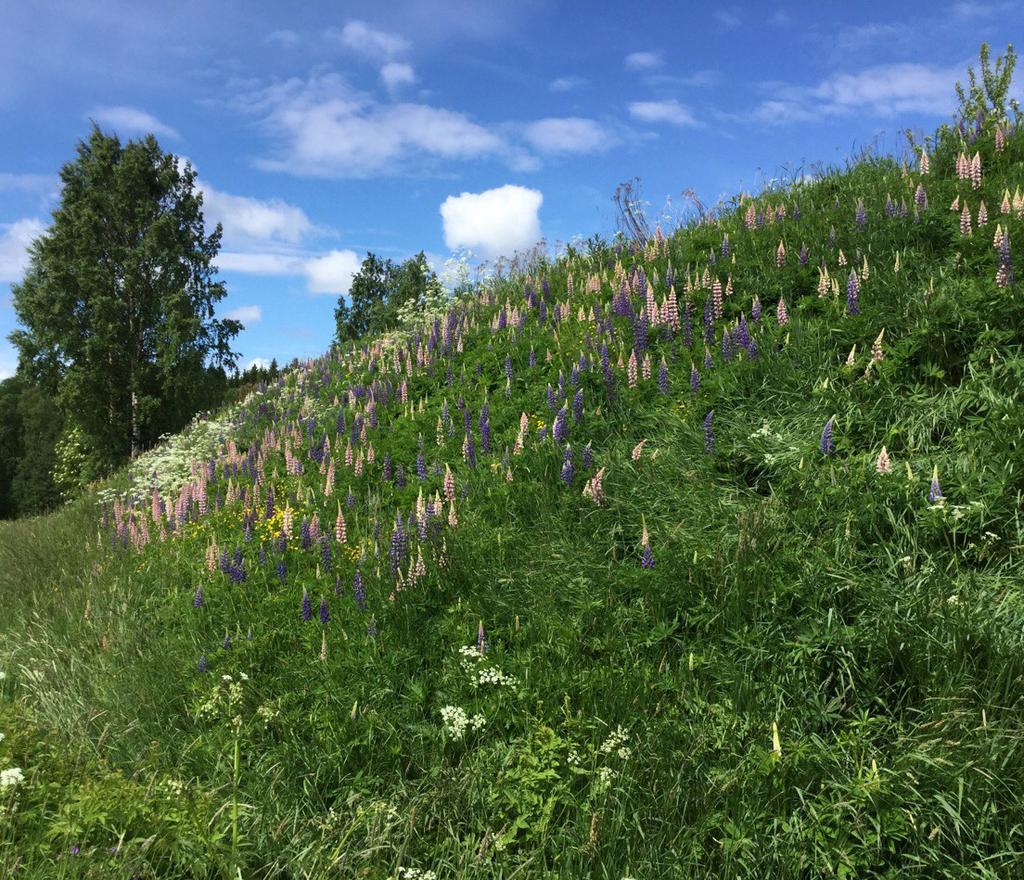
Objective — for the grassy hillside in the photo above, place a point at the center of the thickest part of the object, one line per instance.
(757, 647)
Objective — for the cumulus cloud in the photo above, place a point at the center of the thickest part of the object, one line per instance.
(369, 42)
(885, 90)
(670, 111)
(246, 314)
(570, 134)
(132, 120)
(643, 60)
(566, 83)
(493, 223)
(260, 263)
(258, 362)
(14, 241)
(396, 74)
(327, 129)
(333, 272)
(247, 218)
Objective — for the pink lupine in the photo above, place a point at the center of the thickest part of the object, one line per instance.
(780, 255)
(883, 465)
(340, 530)
(781, 313)
(965, 220)
(631, 369)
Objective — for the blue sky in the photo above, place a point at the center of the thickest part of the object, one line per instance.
(322, 130)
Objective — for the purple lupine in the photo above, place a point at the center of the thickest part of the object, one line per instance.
(741, 335)
(226, 644)
(709, 433)
(804, 255)
(852, 291)
(755, 309)
(709, 322)
(752, 348)
(827, 445)
(861, 214)
(421, 465)
(663, 377)
(647, 557)
(307, 538)
(203, 665)
(935, 492)
(533, 358)
(485, 430)
(560, 430)
(325, 611)
(399, 546)
(588, 457)
(921, 197)
(640, 333)
(726, 345)
(577, 406)
(307, 606)
(568, 469)
(197, 600)
(351, 499)
(552, 402)
(508, 367)
(325, 553)
(359, 589)
(708, 360)
(694, 378)
(725, 245)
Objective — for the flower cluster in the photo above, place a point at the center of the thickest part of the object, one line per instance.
(456, 722)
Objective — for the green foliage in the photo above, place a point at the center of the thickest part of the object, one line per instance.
(989, 96)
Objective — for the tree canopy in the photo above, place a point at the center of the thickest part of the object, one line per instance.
(117, 304)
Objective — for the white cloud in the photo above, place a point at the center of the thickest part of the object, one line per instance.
(260, 263)
(395, 74)
(643, 60)
(260, 363)
(248, 218)
(727, 19)
(246, 314)
(14, 241)
(570, 134)
(43, 184)
(132, 120)
(670, 111)
(332, 273)
(566, 83)
(369, 42)
(327, 129)
(284, 38)
(885, 90)
(493, 223)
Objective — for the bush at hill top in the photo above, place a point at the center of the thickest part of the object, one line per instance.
(690, 557)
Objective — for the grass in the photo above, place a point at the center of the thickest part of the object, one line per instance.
(821, 676)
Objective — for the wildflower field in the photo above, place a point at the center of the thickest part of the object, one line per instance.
(693, 557)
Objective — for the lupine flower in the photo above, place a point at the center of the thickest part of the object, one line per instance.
(646, 555)
(781, 313)
(965, 220)
(861, 214)
(935, 492)
(709, 434)
(726, 345)
(805, 255)
(588, 457)
(631, 369)
(359, 590)
(203, 665)
(568, 470)
(325, 612)
(780, 255)
(594, 489)
(708, 361)
(560, 428)
(827, 444)
(852, 291)
(725, 245)
(282, 571)
(481, 639)
(307, 606)
(755, 309)
(663, 377)
(577, 406)
(920, 197)
(694, 378)
(883, 464)
(226, 644)
(197, 601)
(638, 450)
